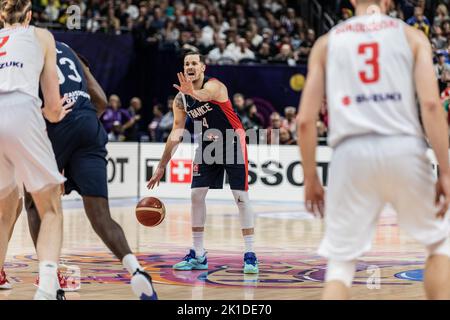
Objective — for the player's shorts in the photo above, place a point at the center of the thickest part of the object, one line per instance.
(26, 155)
(211, 174)
(79, 144)
(365, 174)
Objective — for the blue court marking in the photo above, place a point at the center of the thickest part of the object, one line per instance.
(412, 275)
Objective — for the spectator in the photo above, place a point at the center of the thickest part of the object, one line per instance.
(439, 41)
(419, 21)
(153, 126)
(285, 56)
(306, 46)
(114, 113)
(243, 51)
(256, 119)
(264, 55)
(442, 69)
(132, 127)
(166, 123)
(273, 129)
(441, 15)
(286, 137)
(241, 109)
(52, 10)
(116, 133)
(219, 53)
(289, 121)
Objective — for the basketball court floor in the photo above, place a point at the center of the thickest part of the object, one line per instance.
(286, 242)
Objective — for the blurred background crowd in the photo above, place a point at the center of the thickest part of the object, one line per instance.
(233, 32)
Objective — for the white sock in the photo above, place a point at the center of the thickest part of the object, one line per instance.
(249, 243)
(131, 263)
(48, 279)
(198, 243)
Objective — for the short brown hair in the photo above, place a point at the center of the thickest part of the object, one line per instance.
(194, 53)
(14, 11)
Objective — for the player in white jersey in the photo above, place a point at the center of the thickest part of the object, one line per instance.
(370, 67)
(27, 59)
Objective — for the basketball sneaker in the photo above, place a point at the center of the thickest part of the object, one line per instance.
(250, 263)
(142, 285)
(67, 284)
(192, 262)
(42, 295)
(4, 283)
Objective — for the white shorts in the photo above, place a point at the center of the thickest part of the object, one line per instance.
(26, 154)
(365, 174)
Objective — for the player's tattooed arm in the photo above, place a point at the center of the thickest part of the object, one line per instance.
(178, 102)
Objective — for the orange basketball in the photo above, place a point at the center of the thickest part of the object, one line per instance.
(150, 211)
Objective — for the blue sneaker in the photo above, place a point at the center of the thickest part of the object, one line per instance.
(192, 262)
(250, 263)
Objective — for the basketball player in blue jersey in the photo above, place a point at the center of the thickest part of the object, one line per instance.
(79, 145)
(205, 100)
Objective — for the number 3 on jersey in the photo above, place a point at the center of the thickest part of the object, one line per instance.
(3, 41)
(372, 51)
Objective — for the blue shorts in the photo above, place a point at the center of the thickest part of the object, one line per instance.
(212, 175)
(79, 144)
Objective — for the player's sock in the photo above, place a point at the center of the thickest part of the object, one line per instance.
(249, 243)
(131, 263)
(48, 279)
(198, 243)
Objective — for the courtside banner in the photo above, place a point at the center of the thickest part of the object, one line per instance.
(275, 172)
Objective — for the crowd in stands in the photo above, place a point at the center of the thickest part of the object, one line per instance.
(126, 124)
(227, 32)
(431, 17)
(245, 31)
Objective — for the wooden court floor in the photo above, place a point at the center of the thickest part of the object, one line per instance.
(286, 242)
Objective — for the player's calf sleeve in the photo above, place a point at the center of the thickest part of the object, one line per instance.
(246, 215)
(440, 248)
(198, 207)
(342, 271)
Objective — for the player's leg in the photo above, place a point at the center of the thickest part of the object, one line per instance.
(111, 233)
(18, 211)
(34, 221)
(204, 177)
(8, 208)
(88, 176)
(236, 167)
(196, 258)
(437, 271)
(353, 203)
(48, 246)
(414, 204)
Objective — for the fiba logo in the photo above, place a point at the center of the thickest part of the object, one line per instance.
(73, 17)
(374, 279)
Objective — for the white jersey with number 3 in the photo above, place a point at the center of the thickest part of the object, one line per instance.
(21, 62)
(369, 79)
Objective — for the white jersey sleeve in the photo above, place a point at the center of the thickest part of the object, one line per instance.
(369, 79)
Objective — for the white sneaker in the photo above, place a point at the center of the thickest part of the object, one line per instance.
(42, 295)
(142, 286)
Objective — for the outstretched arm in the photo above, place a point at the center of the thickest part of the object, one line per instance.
(175, 137)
